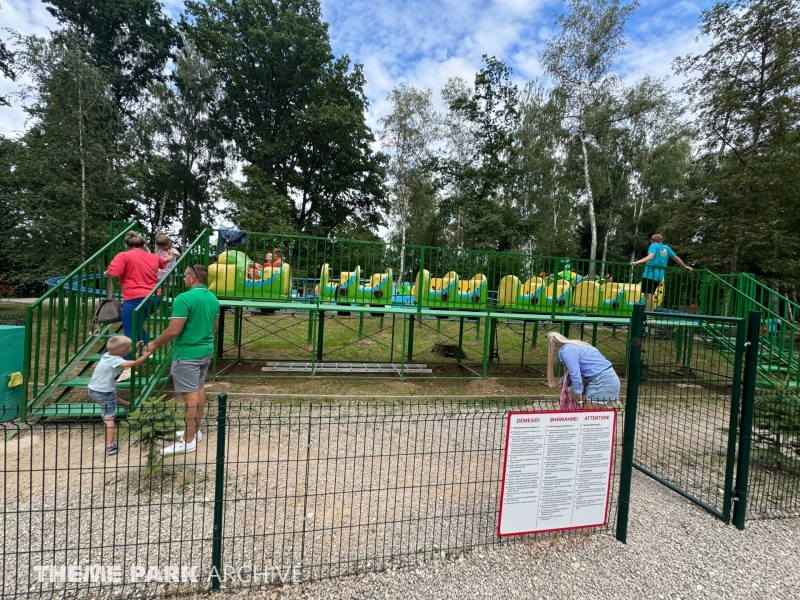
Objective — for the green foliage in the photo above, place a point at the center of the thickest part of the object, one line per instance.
(579, 59)
(6, 68)
(410, 132)
(741, 212)
(294, 111)
(130, 40)
(180, 149)
(483, 168)
(60, 184)
(156, 420)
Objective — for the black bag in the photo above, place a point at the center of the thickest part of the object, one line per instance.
(110, 310)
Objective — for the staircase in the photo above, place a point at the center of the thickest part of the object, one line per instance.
(62, 347)
(779, 355)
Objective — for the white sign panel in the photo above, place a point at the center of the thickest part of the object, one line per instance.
(556, 471)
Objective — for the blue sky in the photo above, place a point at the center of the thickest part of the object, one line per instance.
(424, 42)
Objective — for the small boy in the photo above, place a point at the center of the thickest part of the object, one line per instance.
(103, 385)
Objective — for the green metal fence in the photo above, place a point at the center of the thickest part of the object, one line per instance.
(689, 402)
(152, 317)
(314, 490)
(60, 336)
(774, 461)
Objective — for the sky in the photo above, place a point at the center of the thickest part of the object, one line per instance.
(425, 42)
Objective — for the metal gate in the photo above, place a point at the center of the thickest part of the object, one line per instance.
(688, 376)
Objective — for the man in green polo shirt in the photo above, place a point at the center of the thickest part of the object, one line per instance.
(194, 321)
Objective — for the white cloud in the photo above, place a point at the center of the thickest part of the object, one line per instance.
(426, 42)
(26, 18)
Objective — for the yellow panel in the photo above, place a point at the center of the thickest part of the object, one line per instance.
(586, 294)
(507, 294)
(610, 291)
(531, 286)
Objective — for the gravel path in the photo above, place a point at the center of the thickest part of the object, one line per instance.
(675, 550)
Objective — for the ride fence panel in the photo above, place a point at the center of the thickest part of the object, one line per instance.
(774, 469)
(689, 405)
(779, 334)
(274, 494)
(60, 333)
(303, 268)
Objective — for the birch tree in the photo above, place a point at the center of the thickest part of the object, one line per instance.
(579, 59)
(409, 133)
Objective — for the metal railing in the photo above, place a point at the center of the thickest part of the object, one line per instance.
(59, 329)
(354, 271)
(774, 466)
(779, 354)
(275, 493)
(152, 316)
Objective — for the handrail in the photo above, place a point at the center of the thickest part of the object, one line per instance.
(111, 245)
(59, 325)
(777, 336)
(153, 314)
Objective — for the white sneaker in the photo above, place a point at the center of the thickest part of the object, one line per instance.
(124, 376)
(198, 436)
(179, 447)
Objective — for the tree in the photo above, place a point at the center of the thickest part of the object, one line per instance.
(295, 112)
(745, 90)
(130, 40)
(409, 133)
(182, 151)
(579, 60)
(479, 186)
(6, 69)
(61, 177)
(547, 210)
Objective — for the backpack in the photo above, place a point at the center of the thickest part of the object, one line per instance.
(109, 310)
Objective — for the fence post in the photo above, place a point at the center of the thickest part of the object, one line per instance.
(631, 399)
(219, 493)
(746, 429)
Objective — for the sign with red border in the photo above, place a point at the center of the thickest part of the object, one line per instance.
(556, 471)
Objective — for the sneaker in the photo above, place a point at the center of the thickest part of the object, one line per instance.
(198, 436)
(124, 376)
(179, 447)
(111, 450)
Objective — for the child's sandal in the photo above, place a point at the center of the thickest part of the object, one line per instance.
(111, 450)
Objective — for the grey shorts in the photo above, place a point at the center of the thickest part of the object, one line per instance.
(190, 375)
(602, 388)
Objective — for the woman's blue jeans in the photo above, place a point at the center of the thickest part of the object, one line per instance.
(127, 317)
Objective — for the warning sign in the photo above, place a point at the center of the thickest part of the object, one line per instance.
(556, 471)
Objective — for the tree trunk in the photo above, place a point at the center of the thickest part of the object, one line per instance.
(184, 221)
(162, 208)
(605, 242)
(590, 200)
(84, 211)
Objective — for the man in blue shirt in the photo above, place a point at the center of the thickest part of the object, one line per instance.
(658, 255)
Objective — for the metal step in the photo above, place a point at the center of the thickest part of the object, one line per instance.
(346, 368)
(83, 382)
